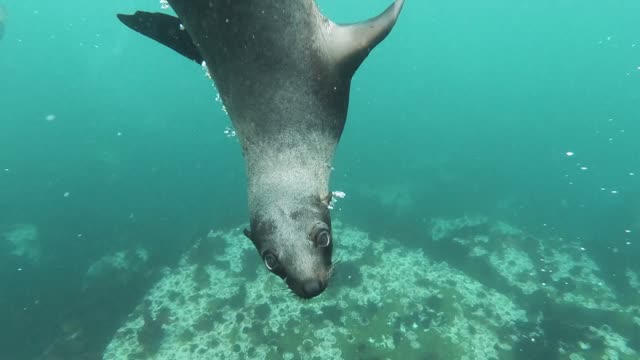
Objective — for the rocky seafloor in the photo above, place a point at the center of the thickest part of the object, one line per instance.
(505, 295)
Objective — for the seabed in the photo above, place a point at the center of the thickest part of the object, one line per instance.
(503, 295)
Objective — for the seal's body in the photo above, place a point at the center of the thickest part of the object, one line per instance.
(283, 72)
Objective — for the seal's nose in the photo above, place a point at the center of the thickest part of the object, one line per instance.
(312, 288)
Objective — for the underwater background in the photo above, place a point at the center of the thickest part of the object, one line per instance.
(481, 136)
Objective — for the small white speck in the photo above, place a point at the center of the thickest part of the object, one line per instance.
(19, 269)
(583, 168)
(628, 243)
(339, 194)
(628, 231)
(50, 117)
(603, 189)
(614, 192)
(544, 284)
(570, 153)
(66, 194)
(6, 169)
(119, 133)
(533, 340)
(632, 174)
(582, 249)
(79, 235)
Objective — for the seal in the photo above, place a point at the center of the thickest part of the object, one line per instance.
(283, 72)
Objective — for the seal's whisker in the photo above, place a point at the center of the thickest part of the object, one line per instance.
(332, 270)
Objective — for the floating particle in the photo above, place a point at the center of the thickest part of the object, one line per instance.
(50, 117)
(119, 133)
(614, 192)
(583, 168)
(66, 194)
(628, 243)
(628, 231)
(632, 174)
(570, 153)
(582, 249)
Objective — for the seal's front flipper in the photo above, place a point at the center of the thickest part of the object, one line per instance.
(350, 44)
(165, 29)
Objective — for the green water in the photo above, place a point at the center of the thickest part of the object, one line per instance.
(109, 140)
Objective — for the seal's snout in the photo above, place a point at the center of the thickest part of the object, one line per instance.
(312, 288)
(307, 289)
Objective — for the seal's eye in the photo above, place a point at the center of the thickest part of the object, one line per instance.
(270, 261)
(323, 239)
(320, 235)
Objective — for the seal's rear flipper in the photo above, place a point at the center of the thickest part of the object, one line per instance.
(350, 44)
(165, 29)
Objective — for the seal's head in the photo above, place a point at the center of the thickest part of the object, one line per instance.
(296, 245)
